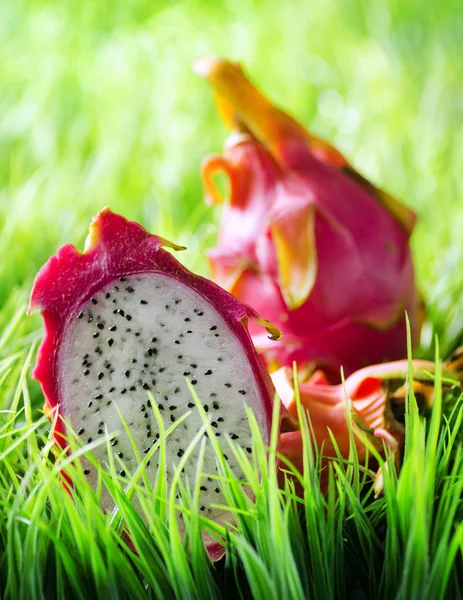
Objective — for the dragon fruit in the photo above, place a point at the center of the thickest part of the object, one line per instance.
(376, 401)
(126, 317)
(307, 240)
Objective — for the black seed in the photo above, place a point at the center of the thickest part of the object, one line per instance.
(172, 418)
(101, 424)
(154, 340)
(123, 391)
(180, 453)
(81, 431)
(190, 404)
(215, 405)
(213, 395)
(162, 369)
(177, 342)
(193, 365)
(202, 508)
(143, 302)
(220, 419)
(148, 433)
(100, 325)
(146, 450)
(214, 424)
(122, 278)
(146, 365)
(100, 375)
(189, 331)
(96, 334)
(146, 386)
(128, 317)
(90, 440)
(203, 488)
(200, 313)
(107, 295)
(149, 403)
(94, 301)
(98, 396)
(180, 356)
(248, 450)
(86, 372)
(213, 328)
(90, 319)
(206, 408)
(130, 289)
(216, 335)
(208, 372)
(194, 381)
(100, 431)
(228, 385)
(113, 389)
(187, 319)
(80, 315)
(120, 455)
(242, 392)
(98, 350)
(90, 404)
(107, 366)
(186, 373)
(113, 328)
(134, 361)
(177, 301)
(143, 408)
(225, 457)
(127, 373)
(234, 436)
(119, 311)
(220, 359)
(86, 356)
(217, 490)
(172, 407)
(161, 407)
(86, 471)
(146, 415)
(122, 473)
(114, 443)
(217, 434)
(133, 388)
(176, 391)
(110, 342)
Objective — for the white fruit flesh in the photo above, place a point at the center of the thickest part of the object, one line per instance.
(151, 332)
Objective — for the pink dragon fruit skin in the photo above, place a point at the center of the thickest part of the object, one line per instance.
(305, 239)
(120, 259)
(366, 394)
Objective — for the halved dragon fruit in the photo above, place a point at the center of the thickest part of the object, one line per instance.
(126, 317)
(306, 239)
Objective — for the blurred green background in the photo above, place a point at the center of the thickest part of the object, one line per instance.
(99, 106)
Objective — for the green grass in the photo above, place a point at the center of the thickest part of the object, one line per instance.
(98, 106)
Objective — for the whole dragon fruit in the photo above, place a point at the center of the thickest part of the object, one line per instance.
(126, 317)
(306, 239)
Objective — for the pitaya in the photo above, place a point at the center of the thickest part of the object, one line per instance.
(307, 240)
(126, 317)
(376, 401)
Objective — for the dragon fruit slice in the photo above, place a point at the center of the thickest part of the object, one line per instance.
(126, 317)
(306, 239)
